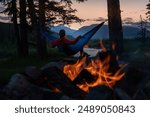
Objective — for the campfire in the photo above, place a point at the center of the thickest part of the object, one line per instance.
(100, 68)
(99, 77)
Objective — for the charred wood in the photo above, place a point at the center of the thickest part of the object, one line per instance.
(56, 78)
(84, 76)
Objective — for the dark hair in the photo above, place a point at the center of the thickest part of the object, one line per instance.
(62, 33)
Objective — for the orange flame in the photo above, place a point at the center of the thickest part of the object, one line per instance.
(113, 46)
(102, 46)
(98, 68)
(72, 71)
(86, 46)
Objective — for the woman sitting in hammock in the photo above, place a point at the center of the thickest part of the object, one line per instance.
(63, 41)
(71, 47)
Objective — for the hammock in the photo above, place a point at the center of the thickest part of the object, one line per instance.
(71, 49)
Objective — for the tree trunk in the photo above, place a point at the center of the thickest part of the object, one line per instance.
(16, 29)
(42, 42)
(23, 28)
(115, 26)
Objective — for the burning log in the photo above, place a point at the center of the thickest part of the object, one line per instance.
(56, 78)
(52, 77)
(84, 76)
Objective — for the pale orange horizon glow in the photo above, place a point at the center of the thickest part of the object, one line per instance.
(92, 9)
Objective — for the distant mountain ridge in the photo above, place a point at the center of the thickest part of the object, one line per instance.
(68, 30)
(129, 31)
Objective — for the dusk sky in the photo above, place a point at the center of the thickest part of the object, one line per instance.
(92, 9)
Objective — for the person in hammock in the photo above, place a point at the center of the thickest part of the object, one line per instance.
(63, 40)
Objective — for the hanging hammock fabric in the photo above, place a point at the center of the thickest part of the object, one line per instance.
(71, 49)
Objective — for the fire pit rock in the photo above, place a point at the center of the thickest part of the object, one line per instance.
(20, 88)
(59, 64)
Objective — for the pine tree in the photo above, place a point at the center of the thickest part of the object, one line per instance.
(37, 14)
(142, 27)
(42, 42)
(148, 12)
(20, 30)
(16, 28)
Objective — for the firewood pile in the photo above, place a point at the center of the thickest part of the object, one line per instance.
(51, 83)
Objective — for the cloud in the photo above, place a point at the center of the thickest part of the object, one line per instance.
(99, 19)
(5, 19)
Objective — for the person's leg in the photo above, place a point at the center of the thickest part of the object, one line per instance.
(81, 52)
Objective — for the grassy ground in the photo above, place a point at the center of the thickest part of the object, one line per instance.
(11, 64)
(15, 65)
(137, 54)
